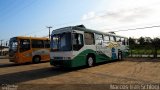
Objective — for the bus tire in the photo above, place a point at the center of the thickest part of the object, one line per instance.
(36, 59)
(120, 55)
(90, 61)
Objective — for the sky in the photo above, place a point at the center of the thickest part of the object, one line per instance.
(31, 17)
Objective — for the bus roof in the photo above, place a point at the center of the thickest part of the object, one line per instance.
(26, 37)
(82, 28)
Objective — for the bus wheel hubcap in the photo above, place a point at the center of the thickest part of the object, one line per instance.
(90, 61)
(36, 59)
(120, 56)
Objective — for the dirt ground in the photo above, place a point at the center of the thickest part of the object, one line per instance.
(128, 71)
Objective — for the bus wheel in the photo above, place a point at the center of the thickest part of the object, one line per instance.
(36, 59)
(120, 55)
(90, 61)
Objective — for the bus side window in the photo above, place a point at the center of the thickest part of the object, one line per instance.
(118, 39)
(47, 43)
(126, 41)
(106, 38)
(89, 38)
(112, 38)
(99, 39)
(37, 44)
(123, 41)
(77, 41)
(24, 45)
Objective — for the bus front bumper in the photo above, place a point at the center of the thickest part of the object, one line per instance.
(61, 63)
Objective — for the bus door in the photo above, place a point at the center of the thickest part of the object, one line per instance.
(25, 50)
(101, 49)
(113, 45)
(106, 45)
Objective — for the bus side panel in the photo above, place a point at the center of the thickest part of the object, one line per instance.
(42, 52)
(25, 57)
(102, 58)
(45, 57)
(80, 60)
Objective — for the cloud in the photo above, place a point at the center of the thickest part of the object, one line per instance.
(89, 15)
(135, 15)
(130, 15)
(126, 14)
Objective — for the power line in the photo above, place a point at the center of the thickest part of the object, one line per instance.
(9, 9)
(147, 27)
(80, 20)
(34, 32)
(71, 21)
(155, 26)
(138, 28)
(19, 10)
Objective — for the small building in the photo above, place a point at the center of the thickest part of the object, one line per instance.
(4, 51)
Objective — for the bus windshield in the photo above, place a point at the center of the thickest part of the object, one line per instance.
(61, 42)
(13, 45)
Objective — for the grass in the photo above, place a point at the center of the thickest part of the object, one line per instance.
(144, 51)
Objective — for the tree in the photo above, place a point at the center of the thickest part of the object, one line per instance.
(148, 41)
(141, 41)
(156, 45)
(131, 41)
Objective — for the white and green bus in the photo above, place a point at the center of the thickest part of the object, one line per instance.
(77, 46)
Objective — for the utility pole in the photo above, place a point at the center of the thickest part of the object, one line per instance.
(49, 31)
(1, 46)
(6, 43)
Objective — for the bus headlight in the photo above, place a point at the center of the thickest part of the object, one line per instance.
(66, 58)
(61, 58)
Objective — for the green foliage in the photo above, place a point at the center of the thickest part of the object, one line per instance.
(145, 46)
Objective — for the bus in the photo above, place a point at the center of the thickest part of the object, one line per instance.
(29, 49)
(76, 46)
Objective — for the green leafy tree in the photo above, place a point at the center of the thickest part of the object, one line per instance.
(141, 41)
(156, 45)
